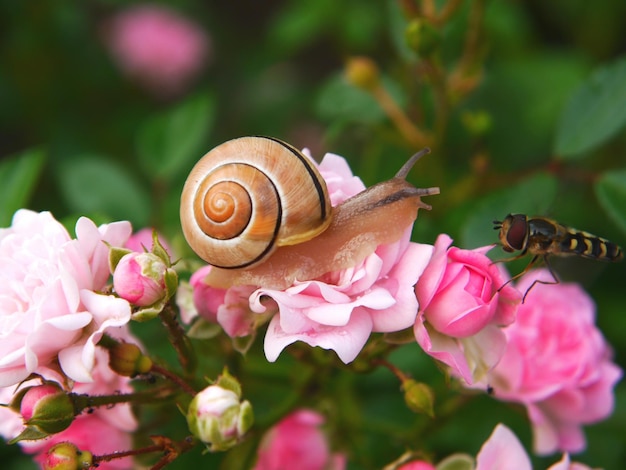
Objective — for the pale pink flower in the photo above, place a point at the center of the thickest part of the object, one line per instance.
(338, 310)
(462, 311)
(102, 430)
(50, 305)
(105, 382)
(556, 363)
(141, 241)
(158, 47)
(566, 464)
(502, 451)
(298, 442)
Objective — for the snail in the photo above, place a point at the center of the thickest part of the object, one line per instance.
(258, 210)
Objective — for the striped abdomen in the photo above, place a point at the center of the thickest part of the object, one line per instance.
(589, 246)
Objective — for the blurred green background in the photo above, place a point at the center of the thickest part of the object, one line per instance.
(523, 104)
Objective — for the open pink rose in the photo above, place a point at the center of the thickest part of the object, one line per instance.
(557, 363)
(462, 309)
(338, 310)
(504, 451)
(50, 305)
(157, 47)
(298, 442)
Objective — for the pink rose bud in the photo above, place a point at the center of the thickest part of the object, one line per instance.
(141, 278)
(217, 417)
(47, 408)
(66, 456)
(417, 465)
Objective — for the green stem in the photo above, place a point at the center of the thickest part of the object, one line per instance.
(173, 378)
(170, 449)
(178, 338)
(83, 401)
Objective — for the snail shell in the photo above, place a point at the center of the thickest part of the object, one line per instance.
(248, 196)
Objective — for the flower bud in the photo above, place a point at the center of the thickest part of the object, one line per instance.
(140, 278)
(363, 73)
(66, 456)
(47, 408)
(478, 123)
(127, 359)
(418, 397)
(422, 37)
(218, 418)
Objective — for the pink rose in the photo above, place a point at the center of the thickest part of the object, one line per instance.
(297, 442)
(340, 309)
(49, 283)
(557, 363)
(157, 47)
(462, 311)
(504, 451)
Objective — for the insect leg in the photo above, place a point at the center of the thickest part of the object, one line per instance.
(539, 281)
(530, 265)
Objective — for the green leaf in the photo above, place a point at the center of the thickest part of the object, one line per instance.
(171, 142)
(611, 192)
(92, 183)
(533, 196)
(595, 112)
(523, 109)
(18, 176)
(299, 24)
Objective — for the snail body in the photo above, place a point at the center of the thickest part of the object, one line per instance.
(343, 236)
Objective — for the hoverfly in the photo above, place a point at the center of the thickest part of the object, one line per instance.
(542, 237)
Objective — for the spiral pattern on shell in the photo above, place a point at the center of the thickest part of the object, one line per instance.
(248, 196)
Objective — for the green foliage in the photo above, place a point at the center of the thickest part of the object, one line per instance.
(92, 183)
(18, 177)
(595, 112)
(169, 143)
(611, 192)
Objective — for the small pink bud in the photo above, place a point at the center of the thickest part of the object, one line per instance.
(417, 465)
(47, 408)
(217, 417)
(66, 456)
(140, 278)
